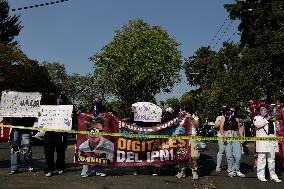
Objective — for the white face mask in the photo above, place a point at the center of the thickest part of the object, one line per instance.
(263, 112)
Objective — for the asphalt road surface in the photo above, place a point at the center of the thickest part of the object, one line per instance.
(122, 178)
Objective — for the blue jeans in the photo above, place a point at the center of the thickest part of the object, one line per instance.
(87, 171)
(20, 143)
(233, 152)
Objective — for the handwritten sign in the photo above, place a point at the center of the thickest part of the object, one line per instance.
(55, 117)
(20, 104)
(146, 112)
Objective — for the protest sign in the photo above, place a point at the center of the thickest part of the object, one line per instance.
(55, 117)
(146, 112)
(127, 150)
(20, 104)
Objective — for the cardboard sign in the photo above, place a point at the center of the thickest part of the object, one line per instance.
(19, 104)
(55, 117)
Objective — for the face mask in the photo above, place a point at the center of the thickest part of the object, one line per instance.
(263, 112)
(230, 114)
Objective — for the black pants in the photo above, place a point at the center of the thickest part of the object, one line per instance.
(55, 141)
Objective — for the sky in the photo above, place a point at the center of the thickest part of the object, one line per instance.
(70, 32)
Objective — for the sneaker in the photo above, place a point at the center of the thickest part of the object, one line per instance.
(262, 179)
(180, 174)
(218, 169)
(12, 172)
(194, 175)
(49, 174)
(275, 178)
(101, 174)
(232, 174)
(240, 174)
(154, 174)
(30, 169)
(135, 173)
(84, 175)
(60, 172)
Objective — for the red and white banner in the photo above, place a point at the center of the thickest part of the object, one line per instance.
(127, 151)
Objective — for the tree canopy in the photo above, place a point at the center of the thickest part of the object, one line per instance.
(139, 62)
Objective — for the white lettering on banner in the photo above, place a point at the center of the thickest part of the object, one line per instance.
(20, 104)
(163, 155)
(56, 117)
(133, 127)
(129, 157)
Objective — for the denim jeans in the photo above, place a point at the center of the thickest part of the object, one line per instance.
(233, 152)
(21, 142)
(220, 153)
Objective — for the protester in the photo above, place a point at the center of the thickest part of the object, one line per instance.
(20, 141)
(220, 142)
(55, 141)
(96, 144)
(230, 127)
(97, 106)
(191, 121)
(265, 127)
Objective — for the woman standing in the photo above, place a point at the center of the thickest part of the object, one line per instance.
(230, 127)
(265, 127)
(220, 142)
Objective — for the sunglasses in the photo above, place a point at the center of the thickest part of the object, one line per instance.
(95, 130)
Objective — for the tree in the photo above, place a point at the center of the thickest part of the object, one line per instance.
(223, 80)
(32, 77)
(10, 55)
(57, 72)
(141, 61)
(10, 26)
(262, 41)
(173, 103)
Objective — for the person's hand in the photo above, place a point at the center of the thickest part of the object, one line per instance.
(188, 116)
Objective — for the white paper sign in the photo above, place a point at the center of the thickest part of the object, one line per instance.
(146, 112)
(55, 117)
(20, 104)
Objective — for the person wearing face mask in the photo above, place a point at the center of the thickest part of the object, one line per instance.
(96, 144)
(97, 106)
(230, 127)
(265, 127)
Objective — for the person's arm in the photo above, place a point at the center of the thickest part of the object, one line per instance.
(222, 126)
(195, 121)
(241, 131)
(217, 124)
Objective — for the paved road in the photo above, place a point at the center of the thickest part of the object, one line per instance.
(122, 178)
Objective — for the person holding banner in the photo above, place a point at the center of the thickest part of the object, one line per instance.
(20, 141)
(265, 127)
(97, 106)
(230, 127)
(55, 140)
(96, 146)
(191, 121)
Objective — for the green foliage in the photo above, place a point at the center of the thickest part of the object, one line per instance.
(141, 61)
(262, 41)
(20, 73)
(174, 103)
(252, 69)
(9, 25)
